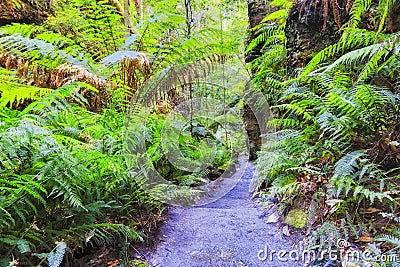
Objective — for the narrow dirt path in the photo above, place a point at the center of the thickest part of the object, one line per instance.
(228, 232)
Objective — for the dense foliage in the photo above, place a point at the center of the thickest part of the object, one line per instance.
(64, 88)
(336, 152)
(67, 83)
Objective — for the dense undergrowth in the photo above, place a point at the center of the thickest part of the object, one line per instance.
(336, 152)
(65, 85)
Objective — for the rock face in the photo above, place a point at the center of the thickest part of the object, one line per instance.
(23, 11)
(309, 29)
(313, 25)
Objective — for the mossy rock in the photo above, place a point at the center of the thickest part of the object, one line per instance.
(296, 218)
(136, 263)
(265, 204)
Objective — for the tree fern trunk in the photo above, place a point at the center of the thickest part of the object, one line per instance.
(312, 26)
(256, 11)
(23, 11)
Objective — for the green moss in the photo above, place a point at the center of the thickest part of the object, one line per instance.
(265, 204)
(296, 218)
(136, 263)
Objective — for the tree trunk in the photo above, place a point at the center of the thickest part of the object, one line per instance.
(127, 17)
(123, 12)
(23, 11)
(118, 6)
(256, 12)
(139, 12)
(189, 17)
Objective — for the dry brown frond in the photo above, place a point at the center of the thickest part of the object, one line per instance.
(64, 74)
(177, 79)
(349, 5)
(134, 69)
(67, 74)
(336, 12)
(326, 12)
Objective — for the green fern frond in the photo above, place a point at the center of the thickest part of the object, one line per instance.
(357, 10)
(98, 234)
(36, 49)
(391, 239)
(351, 39)
(13, 94)
(383, 10)
(348, 164)
(25, 30)
(279, 16)
(300, 108)
(371, 55)
(56, 256)
(266, 33)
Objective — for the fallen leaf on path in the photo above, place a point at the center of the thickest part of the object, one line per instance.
(285, 230)
(369, 210)
(113, 263)
(273, 218)
(366, 239)
(224, 255)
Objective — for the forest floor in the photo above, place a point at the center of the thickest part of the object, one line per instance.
(228, 232)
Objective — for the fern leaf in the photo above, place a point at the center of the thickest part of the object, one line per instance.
(56, 256)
